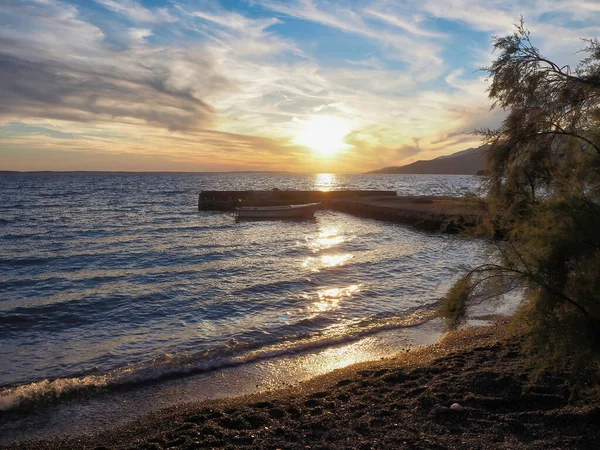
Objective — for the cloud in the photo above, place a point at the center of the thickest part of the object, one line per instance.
(418, 53)
(406, 151)
(139, 34)
(67, 71)
(403, 24)
(58, 91)
(214, 88)
(237, 22)
(200, 150)
(136, 12)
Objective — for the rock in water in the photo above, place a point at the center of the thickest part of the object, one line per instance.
(456, 407)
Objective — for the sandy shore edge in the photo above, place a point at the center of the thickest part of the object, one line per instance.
(400, 402)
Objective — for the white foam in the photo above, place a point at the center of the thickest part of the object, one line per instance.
(180, 364)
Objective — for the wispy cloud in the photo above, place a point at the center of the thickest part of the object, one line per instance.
(405, 25)
(135, 11)
(418, 53)
(200, 85)
(67, 71)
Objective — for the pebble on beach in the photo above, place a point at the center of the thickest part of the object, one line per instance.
(455, 407)
(439, 410)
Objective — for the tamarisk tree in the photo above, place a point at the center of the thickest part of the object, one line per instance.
(543, 202)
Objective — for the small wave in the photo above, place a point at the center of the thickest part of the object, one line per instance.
(18, 220)
(10, 319)
(276, 286)
(75, 310)
(14, 206)
(61, 194)
(23, 261)
(173, 192)
(233, 353)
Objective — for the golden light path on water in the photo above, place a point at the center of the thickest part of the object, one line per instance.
(329, 299)
(250, 306)
(326, 181)
(112, 409)
(326, 261)
(328, 238)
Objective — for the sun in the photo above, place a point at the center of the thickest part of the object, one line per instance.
(324, 134)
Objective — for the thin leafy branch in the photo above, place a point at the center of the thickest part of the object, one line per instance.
(542, 208)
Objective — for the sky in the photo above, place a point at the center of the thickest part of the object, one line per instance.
(297, 85)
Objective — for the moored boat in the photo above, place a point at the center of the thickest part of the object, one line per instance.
(277, 212)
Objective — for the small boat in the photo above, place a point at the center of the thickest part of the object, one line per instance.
(277, 212)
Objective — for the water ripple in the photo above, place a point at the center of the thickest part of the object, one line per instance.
(109, 272)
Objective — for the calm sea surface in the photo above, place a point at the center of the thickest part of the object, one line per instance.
(110, 279)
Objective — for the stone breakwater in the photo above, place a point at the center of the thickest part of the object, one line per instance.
(432, 213)
(229, 200)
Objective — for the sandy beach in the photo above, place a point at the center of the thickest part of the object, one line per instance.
(394, 403)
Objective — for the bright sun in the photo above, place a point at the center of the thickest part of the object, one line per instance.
(324, 134)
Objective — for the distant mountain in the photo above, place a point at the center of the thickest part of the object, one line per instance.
(466, 162)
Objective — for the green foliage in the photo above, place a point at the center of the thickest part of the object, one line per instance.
(543, 204)
(454, 307)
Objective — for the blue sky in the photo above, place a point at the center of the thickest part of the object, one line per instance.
(303, 85)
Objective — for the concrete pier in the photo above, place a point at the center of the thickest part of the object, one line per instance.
(229, 200)
(431, 213)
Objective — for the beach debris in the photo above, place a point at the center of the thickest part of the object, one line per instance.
(457, 408)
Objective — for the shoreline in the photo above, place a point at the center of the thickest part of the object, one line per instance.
(88, 410)
(393, 403)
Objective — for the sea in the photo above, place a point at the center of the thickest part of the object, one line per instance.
(118, 297)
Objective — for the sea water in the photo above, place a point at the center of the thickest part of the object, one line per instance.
(112, 280)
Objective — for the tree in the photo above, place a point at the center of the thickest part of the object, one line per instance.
(543, 203)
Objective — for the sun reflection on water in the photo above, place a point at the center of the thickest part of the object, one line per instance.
(327, 261)
(329, 299)
(326, 181)
(327, 238)
(335, 260)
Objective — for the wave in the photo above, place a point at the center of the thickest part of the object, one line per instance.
(231, 354)
(68, 310)
(172, 192)
(14, 206)
(31, 261)
(276, 286)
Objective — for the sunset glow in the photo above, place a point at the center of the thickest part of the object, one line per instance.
(298, 85)
(324, 134)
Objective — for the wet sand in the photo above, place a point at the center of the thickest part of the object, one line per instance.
(393, 403)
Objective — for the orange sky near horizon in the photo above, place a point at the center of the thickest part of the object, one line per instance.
(299, 85)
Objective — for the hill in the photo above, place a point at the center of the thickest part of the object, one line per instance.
(466, 162)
